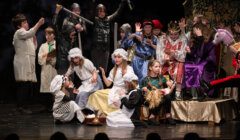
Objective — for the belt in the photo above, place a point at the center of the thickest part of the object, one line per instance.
(143, 56)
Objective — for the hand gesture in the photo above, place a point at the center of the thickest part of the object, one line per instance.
(138, 27)
(122, 92)
(94, 79)
(149, 42)
(44, 55)
(58, 8)
(41, 21)
(145, 89)
(197, 31)
(167, 51)
(75, 91)
(79, 27)
(188, 50)
(102, 71)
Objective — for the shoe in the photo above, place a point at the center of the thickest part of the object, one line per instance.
(170, 121)
(178, 98)
(138, 123)
(58, 122)
(87, 111)
(24, 110)
(201, 98)
(153, 122)
(205, 84)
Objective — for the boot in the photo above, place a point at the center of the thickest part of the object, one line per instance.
(170, 121)
(205, 84)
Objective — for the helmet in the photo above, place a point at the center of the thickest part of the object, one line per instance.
(75, 5)
(102, 7)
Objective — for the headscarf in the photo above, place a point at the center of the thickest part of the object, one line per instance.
(57, 82)
(120, 52)
(74, 52)
(126, 28)
(129, 77)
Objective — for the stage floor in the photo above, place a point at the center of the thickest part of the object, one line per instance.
(40, 126)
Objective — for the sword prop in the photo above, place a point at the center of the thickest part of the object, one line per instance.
(79, 40)
(68, 11)
(115, 35)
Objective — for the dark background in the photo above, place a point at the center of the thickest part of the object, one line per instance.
(34, 9)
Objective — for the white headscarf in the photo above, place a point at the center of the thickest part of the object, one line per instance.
(74, 52)
(130, 77)
(120, 52)
(57, 82)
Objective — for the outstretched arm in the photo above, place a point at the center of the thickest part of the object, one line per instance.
(105, 80)
(118, 11)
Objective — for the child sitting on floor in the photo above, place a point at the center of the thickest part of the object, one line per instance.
(156, 92)
(131, 101)
(64, 109)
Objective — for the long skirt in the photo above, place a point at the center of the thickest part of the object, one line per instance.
(99, 101)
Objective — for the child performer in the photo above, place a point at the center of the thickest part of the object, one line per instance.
(47, 60)
(131, 101)
(24, 59)
(153, 87)
(63, 108)
(146, 44)
(86, 72)
(108, 100)
(171, 53)
(101, 34)
(125, 32)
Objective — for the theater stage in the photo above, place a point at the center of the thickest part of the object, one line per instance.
(40, 125)
(211, 111)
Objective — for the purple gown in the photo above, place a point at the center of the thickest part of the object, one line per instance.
(200, 63)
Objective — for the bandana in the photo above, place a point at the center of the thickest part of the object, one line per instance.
(74, 52)
(57, 82)
(120, 52)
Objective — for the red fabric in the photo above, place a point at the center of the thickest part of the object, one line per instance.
(157, 24)
(215, 82)
(147, 22)
(234, 63)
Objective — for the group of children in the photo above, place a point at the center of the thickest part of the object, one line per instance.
(123, 101)
(148, 67)
(124, 92)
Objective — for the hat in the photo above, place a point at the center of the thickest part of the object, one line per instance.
(74, 52)
(130, 77)
(120, 52)
(57, 82)
(147, 22)
(126, 28)
(157, 24)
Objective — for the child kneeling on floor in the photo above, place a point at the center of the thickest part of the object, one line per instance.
(64, 109)
(131, 101)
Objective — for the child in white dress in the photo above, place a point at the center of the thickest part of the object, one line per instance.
(107, 100)
(86, 72)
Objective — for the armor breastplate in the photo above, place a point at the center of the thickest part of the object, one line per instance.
(102, 31)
